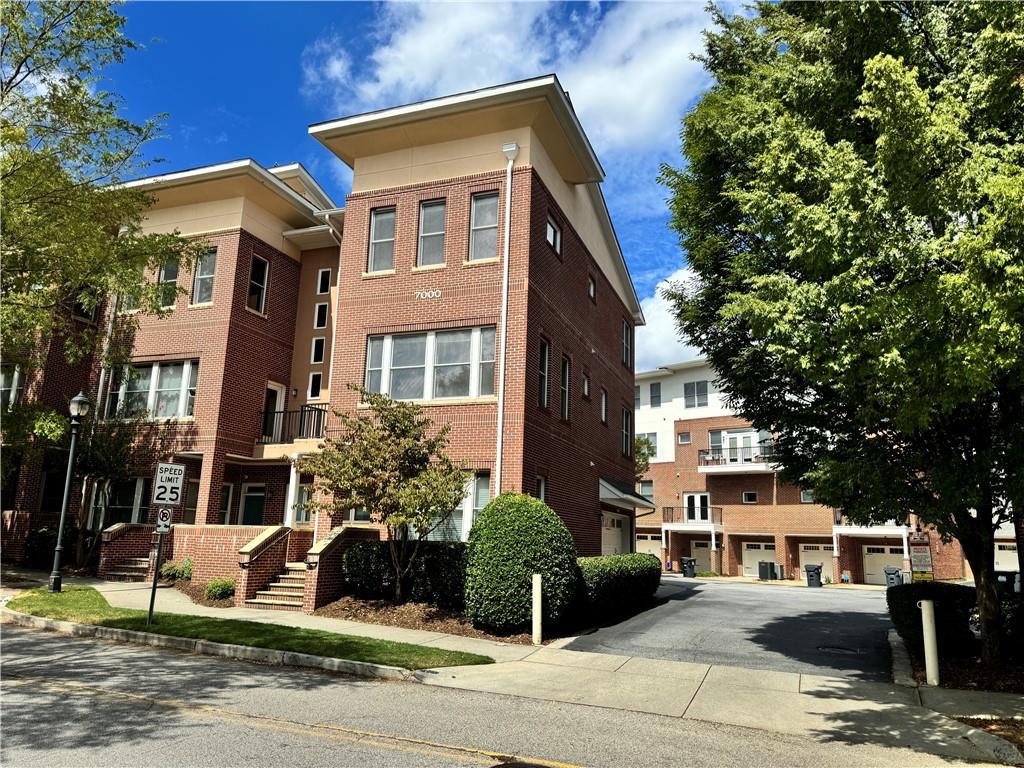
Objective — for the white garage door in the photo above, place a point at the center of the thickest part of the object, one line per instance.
(701, 552)
(649, 543)
(877, 558)
(614, 534)
(816, 554)
(753, 553)
(1006, 557)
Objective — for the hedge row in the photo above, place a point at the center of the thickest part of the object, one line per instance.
(437, 578)
(612, 585)
(953, 605)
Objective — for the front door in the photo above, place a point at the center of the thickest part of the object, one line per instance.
(273, 418)
(741, 448)
(253, 501)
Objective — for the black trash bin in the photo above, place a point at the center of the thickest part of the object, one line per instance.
(893, 576)
(813, 575)
(689, 566)
(765, 570)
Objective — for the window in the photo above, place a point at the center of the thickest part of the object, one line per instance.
(227, 491)
(564, 389)
(431, 249)
(542, 378)
(627, 432)
(652, 438)
(323, 280)
(697, 506)
(316, 354)
(315, 382)
(320, 315)
(168, 279)
(554, 235)
(591, 288)
(683, 438)
(130, 299)
(432, 365)
(695, 394)
(483, 227)
(481, 495)
(585, 386)
(750, 497)
(636, 396)
(84, 305)
(258, 273)
(163, 390)
(382, 240)
(647, 488)
(10, 386)
(627, 344)
(541, 487)
(127, 502)
(806, 497)
(302, 500)
(202, 280)
(656, 394)
(604, 405)
(458, 525)
(191, 502)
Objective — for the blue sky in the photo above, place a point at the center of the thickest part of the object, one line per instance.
(246, 79)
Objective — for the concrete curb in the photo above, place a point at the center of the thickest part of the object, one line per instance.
(998, 748)
(207, 648)
(902, 669)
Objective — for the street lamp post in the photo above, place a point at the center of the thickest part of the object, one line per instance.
(79, 409)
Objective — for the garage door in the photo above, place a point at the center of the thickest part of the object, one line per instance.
(753, 553)
(877, 558)
(701, 552)
(649, 543)
(614, 534)
(1006, 557)
(816, 554)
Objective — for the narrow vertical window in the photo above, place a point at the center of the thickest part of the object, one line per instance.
(542, 487)
(315, 382)
(604, 405)
(258, 273)
(542, 374)
(487, 360)
(627, 344)
(554, 235)
(585, 385)
(374, 364)
(656, 394)
(320, 315)
(323, 280)
(316, 354)
(564, 388)
(202, 282)
(627, 432)
(591, 288)
(431, 247)
(483, 227)
(382, 240)
(168, 280)
(636, 396)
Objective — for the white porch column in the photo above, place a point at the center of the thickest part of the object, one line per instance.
(906, 549)
(292, 494)
(714, 544)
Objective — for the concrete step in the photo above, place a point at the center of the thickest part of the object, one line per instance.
(269, 594)
(284, 587)
(125, 576)
(294, 578)
(301, 566)
(137, 561)
(265, 602)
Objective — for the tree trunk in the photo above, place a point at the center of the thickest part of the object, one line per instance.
(980, 554)
(1018, 533)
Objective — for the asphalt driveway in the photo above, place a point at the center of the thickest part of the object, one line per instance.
(790, 629)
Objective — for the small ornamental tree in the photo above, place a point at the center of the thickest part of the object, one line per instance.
(643, 452)
(391, 461)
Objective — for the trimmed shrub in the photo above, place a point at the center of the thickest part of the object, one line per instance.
(220, 589)
(437, 577)
(172, 570)
(40, 543)
(953, 604)
(615, 584)
(514, 537)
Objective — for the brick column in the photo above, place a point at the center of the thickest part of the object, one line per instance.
(211, 478)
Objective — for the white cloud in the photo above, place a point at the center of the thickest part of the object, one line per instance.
(659, 343)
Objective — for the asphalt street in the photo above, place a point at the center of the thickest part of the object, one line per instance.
(789, 629)
(82, 702)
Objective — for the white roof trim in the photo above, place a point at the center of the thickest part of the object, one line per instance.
(297, 169)
(605, 220)
(668, 370)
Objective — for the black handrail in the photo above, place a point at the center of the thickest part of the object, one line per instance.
(307, 423)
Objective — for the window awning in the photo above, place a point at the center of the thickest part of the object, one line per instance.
(618, 494)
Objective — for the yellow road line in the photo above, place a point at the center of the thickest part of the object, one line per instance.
(372, 739)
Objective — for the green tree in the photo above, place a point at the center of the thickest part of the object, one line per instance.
(852, 206)
(643, 452)
(391, 461)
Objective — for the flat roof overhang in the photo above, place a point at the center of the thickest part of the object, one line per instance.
(616, 494)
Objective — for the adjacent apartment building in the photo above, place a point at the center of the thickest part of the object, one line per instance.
(473, 269)
(715, 484)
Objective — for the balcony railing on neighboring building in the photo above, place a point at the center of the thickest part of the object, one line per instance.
(762, 453)
(692, 515)
(307, 423)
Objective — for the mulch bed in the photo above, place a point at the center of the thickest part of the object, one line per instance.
(1011, 730)
(197, 594)
(413, 616)
(970, 674)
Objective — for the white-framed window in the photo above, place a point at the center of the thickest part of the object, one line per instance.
(541, 487)
(259, 274)
(697, 506)
(202, 280)
(554, 234)
(806, 496)
(750, 497)
(483, 227)
(11, 386)
(432, 365)
(591, 288)
(542, 373)
(627, 432)
(636, 396)
(162, 390)
(655, 394)
(316, 380)
(563, 388)
(323, 280)
(647, 488)
(585, 385)
(302, 500)
(459, 524)
(431, 245)
(227, 494)
(320, 315)
(604, 405)
(316, 352)
(652, 438)
(627, 344)
(683, 438)
(382, 240)
(130, 299)
(168, 279)
(695, 394)
(127, 502)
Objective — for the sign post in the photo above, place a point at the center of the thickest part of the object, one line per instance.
(168, 491)
(920, 557)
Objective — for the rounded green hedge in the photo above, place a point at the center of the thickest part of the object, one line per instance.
(514, 537)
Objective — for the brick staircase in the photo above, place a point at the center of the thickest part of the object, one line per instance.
(131, 569)
(286, 593)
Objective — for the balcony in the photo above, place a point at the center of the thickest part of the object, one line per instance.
(758, 458)
(700, 518)
(282, 427)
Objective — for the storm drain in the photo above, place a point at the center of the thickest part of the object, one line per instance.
(840, 650)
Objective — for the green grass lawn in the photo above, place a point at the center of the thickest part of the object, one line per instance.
(87, 606)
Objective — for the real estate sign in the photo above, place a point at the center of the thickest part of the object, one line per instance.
(921, 557)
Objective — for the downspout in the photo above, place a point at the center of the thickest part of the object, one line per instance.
(101, 400)
(511, 151)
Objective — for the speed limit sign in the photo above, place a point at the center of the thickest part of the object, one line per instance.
(163, 520)
(169, 483)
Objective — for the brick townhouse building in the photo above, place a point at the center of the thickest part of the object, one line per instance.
(719, 499)
(473, 269)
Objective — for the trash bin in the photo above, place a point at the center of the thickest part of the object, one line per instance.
(813, 575)
(689, 566)
(893, 576)
(765, 569)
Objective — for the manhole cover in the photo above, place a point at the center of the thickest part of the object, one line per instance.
(840, 650)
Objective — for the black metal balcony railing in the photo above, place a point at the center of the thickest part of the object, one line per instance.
(748, 454)
(307, 423)
(692, 515)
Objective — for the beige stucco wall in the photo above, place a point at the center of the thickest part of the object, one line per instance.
(312, 262)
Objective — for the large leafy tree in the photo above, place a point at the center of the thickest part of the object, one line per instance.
(852, 204)
(390, 460)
